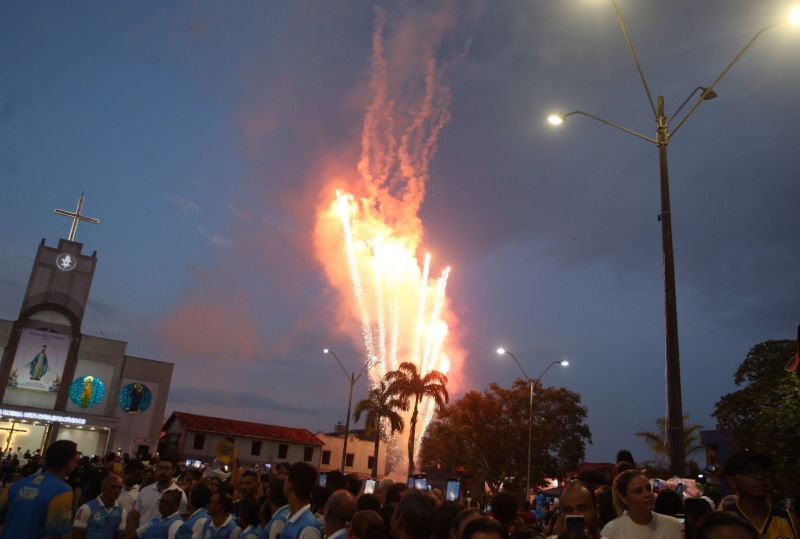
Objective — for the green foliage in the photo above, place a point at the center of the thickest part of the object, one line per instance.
(382, 418)
(487, 433)
(657, 440)
(407, 384)
(764, 415)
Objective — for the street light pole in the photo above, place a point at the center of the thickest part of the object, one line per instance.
(503, 351)
(675, 428)
(352, 379)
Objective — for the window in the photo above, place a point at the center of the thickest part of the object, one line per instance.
(349, 460)
(326, 457)
(370, 462)
(255, 448)
(199, 441)
(308, 453)
(283, 450)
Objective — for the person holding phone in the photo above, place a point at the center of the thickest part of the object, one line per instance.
(578, 512)
(634, 501)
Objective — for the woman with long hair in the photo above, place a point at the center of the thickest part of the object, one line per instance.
(634, 500)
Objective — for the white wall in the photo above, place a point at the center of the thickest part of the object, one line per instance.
(133, 427)
(361, 450)
(269, 449)
(90, 442)
(31, 440)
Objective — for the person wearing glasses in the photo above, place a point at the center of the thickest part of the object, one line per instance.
(750, 474)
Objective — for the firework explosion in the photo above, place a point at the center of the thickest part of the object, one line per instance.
(369, 241)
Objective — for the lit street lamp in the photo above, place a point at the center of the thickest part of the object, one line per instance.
(563, 363)
(662, 138)
(352, 378)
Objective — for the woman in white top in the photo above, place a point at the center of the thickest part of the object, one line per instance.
(634, 501)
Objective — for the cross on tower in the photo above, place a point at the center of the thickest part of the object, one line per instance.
(76, 216)
(11, 432)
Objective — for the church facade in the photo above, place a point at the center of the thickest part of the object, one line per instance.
(57, 383)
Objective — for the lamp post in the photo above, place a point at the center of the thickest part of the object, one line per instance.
(563, 363)
(663, 136)
(352, 378)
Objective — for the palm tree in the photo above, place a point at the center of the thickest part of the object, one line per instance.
(380, 405)
(657, 441)
(407, 383)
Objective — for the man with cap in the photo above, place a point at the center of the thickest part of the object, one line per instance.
(750, 474)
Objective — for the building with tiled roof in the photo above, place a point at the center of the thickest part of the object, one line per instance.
(205, 438)
(360, 452)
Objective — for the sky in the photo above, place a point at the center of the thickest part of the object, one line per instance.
(204, 135)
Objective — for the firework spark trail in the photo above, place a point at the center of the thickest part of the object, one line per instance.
(395, 321)
(358, 288)
(423, 294)
(378, 160)
(380, 316)
(416, 150)
(401, 311)
(441, 286)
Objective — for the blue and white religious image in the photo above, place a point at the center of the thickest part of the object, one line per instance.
(87, 391)
(135, 398)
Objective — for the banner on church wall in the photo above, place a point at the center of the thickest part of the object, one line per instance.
(39, 361)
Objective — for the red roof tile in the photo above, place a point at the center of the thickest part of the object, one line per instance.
(232, 427)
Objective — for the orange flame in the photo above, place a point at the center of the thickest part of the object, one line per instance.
(369, 242)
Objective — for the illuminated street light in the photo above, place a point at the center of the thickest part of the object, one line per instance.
(794, 16)
(555, 119)
(663, 136)
(503, 352)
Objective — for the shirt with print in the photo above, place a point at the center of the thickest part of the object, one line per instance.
(99, 520)
(302, 525)
(36, 506)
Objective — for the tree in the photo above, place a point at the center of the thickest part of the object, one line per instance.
(380, 408)
(764, 415)
(407, 383)
(487, 433)
(657, 440)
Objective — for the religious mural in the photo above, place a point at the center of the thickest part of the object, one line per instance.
(87, 391)
(135, 398)
(39, 361)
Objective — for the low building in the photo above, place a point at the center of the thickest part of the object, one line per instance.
(205, 438)
(360, 452)
(58, 383)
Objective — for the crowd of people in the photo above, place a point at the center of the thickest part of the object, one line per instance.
(123, 498)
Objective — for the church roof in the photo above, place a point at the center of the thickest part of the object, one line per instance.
(233, 427)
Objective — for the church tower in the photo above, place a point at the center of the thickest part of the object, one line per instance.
(57, 382)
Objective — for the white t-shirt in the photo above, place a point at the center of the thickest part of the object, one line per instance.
(147, 502)
(127, 497)
(660, 527)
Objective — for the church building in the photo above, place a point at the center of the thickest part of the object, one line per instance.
(57, 383)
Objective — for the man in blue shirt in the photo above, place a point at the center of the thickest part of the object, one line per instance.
(102, 517)
(164, 526)
(279, 506)
(192, 528)
(221, 524)
(41, 505)
(301, 524)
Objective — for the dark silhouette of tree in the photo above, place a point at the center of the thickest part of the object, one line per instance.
(380, 408)
(487, 433)
(764, 415)
(657, 440)
(407, 383)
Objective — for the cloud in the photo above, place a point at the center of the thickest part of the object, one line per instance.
(240, 214)
(236, 400)
(185, 205)
(8, 108)
(217, 238)
(213, 327)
